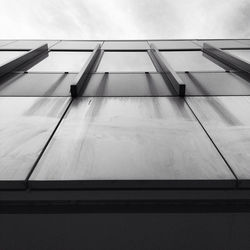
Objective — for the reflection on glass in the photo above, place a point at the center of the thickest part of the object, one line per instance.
(126, 62)
(62, 62)
(242, 54)
(6, 56)
(190, 61)
(125, 45)
(223, 43)
(75, 45)
(175, 44)
(27, 45)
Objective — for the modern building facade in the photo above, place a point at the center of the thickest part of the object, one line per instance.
(125, 144)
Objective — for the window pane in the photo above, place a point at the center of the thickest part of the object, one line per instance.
(133, 84)
(218, 83)
(75, 45)
(35, 84)
(62, 62)
(5, 42)
(175, 45)
(125, 45)
(6, 56)
(223, 43)
(243, 54)
(126, 61)
(245, 42)
(27, 45)
(190, 61)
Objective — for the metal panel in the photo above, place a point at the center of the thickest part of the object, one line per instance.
(126, 62)
(27, 44)
(32, 84)
(130, 143)
(128, 45)
(75, 45)
(141, 84)
(172, 45)
(25, 126)
(227, 120)
(5, 42)
(217, 83)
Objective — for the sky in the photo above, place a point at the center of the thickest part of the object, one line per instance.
(124, 19)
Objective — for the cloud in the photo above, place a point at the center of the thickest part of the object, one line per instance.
(124, 19)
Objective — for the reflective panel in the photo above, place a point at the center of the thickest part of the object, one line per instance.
(190, 61)
(219, 83)
(130, 143)
(126, 62)
(133, 45)
(223, 44)
(242, 54)
(27, 44)
(142, 84)
(245, 42)
(25, 126)
(6, 56)
(227, 121)
(168, 45)
(5, 42)
(29, 84)
(62, 62)
(75, 45)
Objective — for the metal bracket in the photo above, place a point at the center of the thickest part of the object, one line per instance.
(172, 76)
(226, 58)
(21, 62)
(81, 78)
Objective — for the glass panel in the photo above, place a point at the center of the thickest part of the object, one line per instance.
(245, 42)
(125, 45)
(5, 42)
(130, 142)
(190, 61)
(29, 84)
(75, 45)
(26, 124)
(28, 45)
(6, 56)
(126, 62)
(128, 85)
(62, 62)
(227, 121)
(175, 45)
(220, 83)
(242, 54)
(223, 43)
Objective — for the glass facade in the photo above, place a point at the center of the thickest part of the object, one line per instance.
(190, 61)
(114, 117)
(6, 56)
(126, 61)
(62, 62)
(27, 45)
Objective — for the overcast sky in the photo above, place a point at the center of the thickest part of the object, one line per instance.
(124, 19)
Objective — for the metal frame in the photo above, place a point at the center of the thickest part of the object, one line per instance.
(226, 58)
(174, 79)
(80, 81)
(21, 62)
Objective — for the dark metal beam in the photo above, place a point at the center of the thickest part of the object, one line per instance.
(21, 62)
(80, 81)
(226, 58)
(174, 79)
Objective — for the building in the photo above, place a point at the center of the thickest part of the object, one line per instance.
(125, 144)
